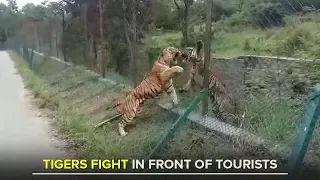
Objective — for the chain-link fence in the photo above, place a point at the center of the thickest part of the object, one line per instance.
(265, 52)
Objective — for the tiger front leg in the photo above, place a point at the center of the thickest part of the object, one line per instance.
(166, 79)
(168, 74)
(189, 84)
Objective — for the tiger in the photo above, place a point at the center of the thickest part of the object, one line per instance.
(220, 98)
(157, 81)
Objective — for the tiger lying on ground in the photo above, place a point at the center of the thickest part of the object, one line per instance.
(157, 81)
(219, 96)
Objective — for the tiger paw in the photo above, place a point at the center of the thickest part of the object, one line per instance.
(123, 133)
(181, 90)
(174, 103)
(178, 69)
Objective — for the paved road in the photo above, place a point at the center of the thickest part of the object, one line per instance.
(24, 137)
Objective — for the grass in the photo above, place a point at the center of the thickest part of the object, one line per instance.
(294, 40)
(265, 115)
(76, 122)
(299, 38)
(273, 119)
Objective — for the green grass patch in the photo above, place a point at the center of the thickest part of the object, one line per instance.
(273, 119)
(77, 122)
(299, 38)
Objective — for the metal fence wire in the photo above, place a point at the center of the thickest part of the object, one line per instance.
(265, 52)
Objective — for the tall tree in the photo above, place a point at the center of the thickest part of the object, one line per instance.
(63, 34)
(57, 10)
(12, 4)
(184, 15)
(132, 42)
(207, 56)
(85, 34)
(102, 42)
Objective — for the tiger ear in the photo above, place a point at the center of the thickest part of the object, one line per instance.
(184, 57)
(164, 53)
(199, 45)
(184, 54)
(176, 54)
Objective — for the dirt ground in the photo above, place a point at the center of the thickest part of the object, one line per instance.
(26, 136)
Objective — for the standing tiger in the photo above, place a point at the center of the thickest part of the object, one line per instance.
(222, 101)
(157, 81)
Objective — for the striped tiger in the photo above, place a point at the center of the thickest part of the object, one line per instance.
(157, 81)
(221, 100)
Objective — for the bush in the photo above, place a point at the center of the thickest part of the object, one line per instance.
(292, 39)
(271, 117)
(155, 44)
(265, 17)
(247, 46)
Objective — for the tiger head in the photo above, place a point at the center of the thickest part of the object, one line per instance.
(172, 55)
(194, 55)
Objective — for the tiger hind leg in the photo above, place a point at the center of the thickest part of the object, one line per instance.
(219, 104)
(121, 130)
(172, 93)
(123, 124)
(185, 88)
(139, 110)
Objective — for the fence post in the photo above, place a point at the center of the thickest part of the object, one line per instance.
(178, 123)
(305, 131)
(207, 46)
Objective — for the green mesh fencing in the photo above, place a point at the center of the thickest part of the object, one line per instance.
(270, 91)
(79, 99)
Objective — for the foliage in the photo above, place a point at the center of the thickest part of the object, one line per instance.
(80, 35)
(154, 44)
(164, 16)
(274, 119)
(263, 27)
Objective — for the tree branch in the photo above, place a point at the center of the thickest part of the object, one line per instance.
(178, 7)
(125, 28)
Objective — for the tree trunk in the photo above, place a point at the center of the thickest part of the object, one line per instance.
(186, 24)
(102, 43)
(6, 33)
(207, 46)
(91, 53)
(31, 57)
(57, 44)
(38, 37)
(95, 53)
(184, 17)
(131, 43)
(63, 41)
(134, 43)
(50, 44)
(85, 27)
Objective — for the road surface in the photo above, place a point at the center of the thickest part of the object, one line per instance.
(25, 138)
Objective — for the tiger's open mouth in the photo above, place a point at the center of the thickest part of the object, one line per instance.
(192, 55)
